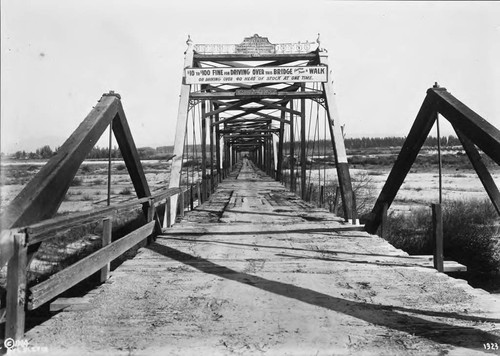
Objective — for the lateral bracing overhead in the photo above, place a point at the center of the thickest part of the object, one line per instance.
(251, 99)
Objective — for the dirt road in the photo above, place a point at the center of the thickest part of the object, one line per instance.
(256, 270)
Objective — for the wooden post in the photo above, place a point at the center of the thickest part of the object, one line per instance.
(218, 148)
(168, 212)
(338, 143)
(212, 132)
(303, 162)
(437, 234)
(267, 157)
(292, 150)
(108, 201)
(151, 210)
(309, 192)
(354, 212)
(233, 157)
(106, 240)
(274, 144)
(180, 129)
(191, 198)
(322, 196)
(279, 165)
(384, 228)
(336, 201)
(198, 191)
(224, 156)
(181, 203)
(16, 289)
(202, 185)
(203, 150)
(259, 160)
(206, 193)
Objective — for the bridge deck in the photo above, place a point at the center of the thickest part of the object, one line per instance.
(255, 269)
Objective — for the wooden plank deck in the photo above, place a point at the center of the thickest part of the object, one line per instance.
(256, 270)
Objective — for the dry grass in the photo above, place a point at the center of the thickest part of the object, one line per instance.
(471, 233)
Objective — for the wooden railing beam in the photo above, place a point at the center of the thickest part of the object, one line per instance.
(65, 279)
(478, 130)
(16, 289)
(481, 170)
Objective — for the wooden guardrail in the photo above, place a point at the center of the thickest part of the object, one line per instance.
(471, 129)
(28, 220)
(16, 242)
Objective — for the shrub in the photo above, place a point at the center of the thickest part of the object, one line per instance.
(411, 232)
(120, 167)
(85, 169)
(97, 182)
(470, 233)
(126, 191)
(362, 187)
(86, 197)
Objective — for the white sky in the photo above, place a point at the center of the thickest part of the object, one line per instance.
(58, 57)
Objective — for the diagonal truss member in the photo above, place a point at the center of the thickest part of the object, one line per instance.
(243, 90)
(472, 130)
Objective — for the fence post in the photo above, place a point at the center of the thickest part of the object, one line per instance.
(198, 191)
(437, 234)
(168, 209)
(106, 240)
(191, 198)
(151, 210)
(336, 200)
(16, 289)
(309, 192)
(383, 224)
(181, 203)
(354, 210)
(203, 189)
(321, 196)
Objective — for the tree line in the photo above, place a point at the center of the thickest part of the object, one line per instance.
(97, 152)
(374, 142)
(162, 152)
(386, 142)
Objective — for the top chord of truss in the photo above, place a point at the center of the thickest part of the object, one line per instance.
(257, 45)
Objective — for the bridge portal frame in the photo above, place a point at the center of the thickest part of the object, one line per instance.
(252, 120)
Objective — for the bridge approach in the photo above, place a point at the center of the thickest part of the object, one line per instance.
(255, 269)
